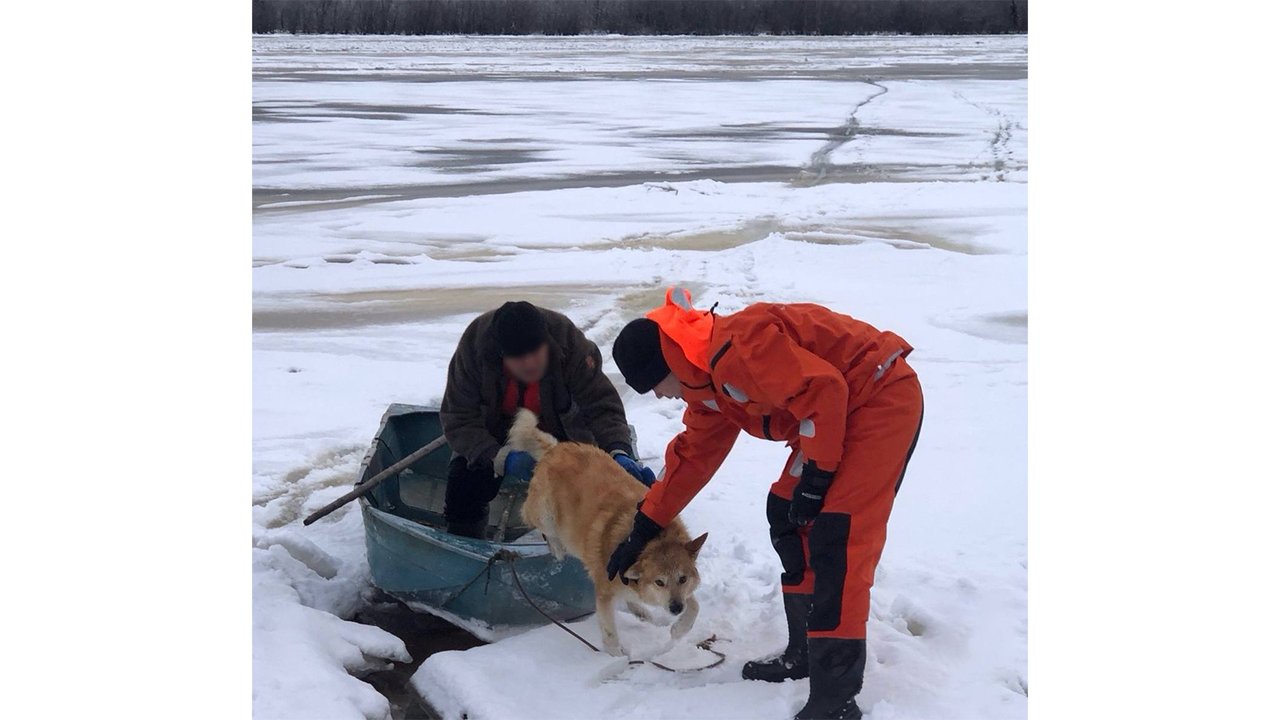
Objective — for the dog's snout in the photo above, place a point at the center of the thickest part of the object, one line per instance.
(676, 607)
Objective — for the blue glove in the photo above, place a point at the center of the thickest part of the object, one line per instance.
(638, 471)
(519, 466)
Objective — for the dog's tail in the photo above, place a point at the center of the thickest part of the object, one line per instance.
(526, 437)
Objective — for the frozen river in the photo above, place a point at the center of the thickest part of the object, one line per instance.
(403, 185)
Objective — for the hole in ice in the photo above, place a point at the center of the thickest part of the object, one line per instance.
(423, 636)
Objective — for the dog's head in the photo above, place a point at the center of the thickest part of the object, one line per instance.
(666, 574)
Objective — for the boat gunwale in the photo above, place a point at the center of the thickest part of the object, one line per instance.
(457, 544)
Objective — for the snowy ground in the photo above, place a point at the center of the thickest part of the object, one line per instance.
(403, 185)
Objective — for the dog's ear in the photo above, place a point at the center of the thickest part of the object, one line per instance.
(694, 545)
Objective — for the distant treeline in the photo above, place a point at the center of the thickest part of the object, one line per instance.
(640, 17)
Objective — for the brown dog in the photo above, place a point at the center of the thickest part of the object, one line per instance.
(583, 503)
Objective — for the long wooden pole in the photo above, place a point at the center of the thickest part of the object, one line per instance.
(373, 482)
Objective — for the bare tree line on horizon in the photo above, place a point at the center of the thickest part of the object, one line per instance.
(640, 17)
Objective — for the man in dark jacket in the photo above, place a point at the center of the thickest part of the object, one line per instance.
(522, 356)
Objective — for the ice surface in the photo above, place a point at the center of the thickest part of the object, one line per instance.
(403, 185)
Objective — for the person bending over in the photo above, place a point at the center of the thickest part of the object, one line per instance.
(840, 394)
(523, 356)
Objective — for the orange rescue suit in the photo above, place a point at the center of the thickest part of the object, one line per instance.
(836, 390)
(790, 372)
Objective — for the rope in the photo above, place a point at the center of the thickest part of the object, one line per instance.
(704, 645)
(510, 558)
(483, 571)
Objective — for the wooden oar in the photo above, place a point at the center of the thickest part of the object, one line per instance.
(373, 482)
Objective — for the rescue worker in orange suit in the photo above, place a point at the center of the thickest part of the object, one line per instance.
(840, 394)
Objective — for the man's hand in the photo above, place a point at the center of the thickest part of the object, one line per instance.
(806, 501)
(628, 551)
(518, 466)
(637, 471)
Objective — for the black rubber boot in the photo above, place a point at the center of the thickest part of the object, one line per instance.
(470, 528)
(838, 666)
(793, 663)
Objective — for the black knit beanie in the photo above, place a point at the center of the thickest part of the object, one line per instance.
(520, 328)
(638, 352)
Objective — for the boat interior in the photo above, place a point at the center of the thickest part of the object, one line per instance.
(418, 492)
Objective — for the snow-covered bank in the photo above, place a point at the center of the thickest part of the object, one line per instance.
(305, 654)
(886, 205)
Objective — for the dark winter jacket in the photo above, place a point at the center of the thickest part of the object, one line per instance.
(579, 402)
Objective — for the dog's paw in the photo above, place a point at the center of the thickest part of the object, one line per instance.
(667, 646)
(500, 460)
(557, 548)
(613, 647)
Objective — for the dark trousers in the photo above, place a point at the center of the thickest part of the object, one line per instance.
(467, 493)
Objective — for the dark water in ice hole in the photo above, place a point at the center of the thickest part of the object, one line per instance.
(423, 635)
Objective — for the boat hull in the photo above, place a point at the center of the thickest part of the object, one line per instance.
(464, 577)
(413, 558)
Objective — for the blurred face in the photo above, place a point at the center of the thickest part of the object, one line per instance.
(528, 368)
(669, 387)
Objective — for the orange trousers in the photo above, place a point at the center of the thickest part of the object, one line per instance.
(835, 558)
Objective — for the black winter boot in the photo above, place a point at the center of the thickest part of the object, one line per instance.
(469, 528)
(837, 666)
(793, 663)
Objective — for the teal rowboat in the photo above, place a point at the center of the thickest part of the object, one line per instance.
(465, 580)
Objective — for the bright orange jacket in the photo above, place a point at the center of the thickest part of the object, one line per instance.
(787, 372)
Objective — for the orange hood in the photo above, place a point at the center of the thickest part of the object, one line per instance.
(689, 328)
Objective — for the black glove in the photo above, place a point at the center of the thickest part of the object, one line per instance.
(806, 501)
(628, 551)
